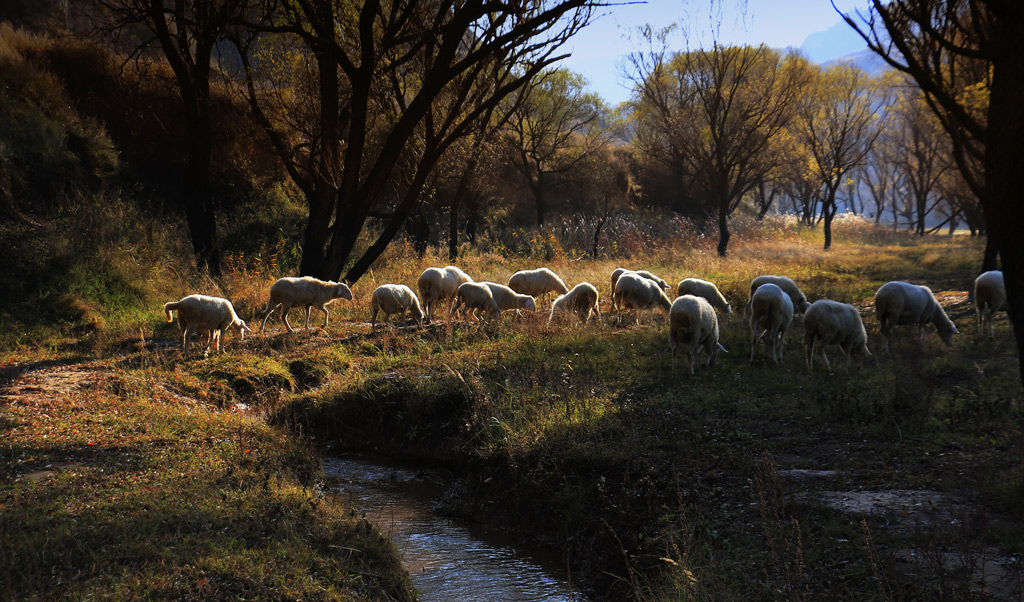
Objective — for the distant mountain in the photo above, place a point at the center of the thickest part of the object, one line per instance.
(837, 41)
(866, 60)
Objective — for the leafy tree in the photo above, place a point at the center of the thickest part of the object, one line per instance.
(711, 114)
(556, 126)
(837, 124)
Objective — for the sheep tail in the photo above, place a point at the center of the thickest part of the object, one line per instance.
(168, 308)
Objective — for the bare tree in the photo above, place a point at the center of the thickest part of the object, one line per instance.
(398, 82)
(187, 34)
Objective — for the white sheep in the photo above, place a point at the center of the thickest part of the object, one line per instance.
(797, 296)
(394, 299)
(506, 298)
(206, 315)
(771, 313)
(989, 297)
(582, 300)
(901, 303)
(693, 325)
(637, 292)
(617, 272)
(475, 296)
(307, 292)
(439, 284)
(828, 322)
(537, 283)
(707, 290)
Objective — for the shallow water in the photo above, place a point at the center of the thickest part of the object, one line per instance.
(447, 559)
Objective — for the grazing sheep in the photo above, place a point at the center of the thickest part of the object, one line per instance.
(305, 292)
(208, 315)
(439, 284)
(829, 322)
(475, 296)
(989, 297)
(394, 299)
(901, 303)
(506, 298)
(582, 300)
(637, 292)
(693, 325)
(707, 290)
(617, 272)
(537, 283)
(797, 296)
(771, 313)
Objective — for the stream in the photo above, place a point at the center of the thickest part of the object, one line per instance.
(447, 559)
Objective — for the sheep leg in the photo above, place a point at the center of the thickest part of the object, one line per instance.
(309, 310)
(273, 306)
(824, 358)
(187, 337)
(782, 343)
(327, 316)
(285, 308)
(753, 345)
(675, 351)
(809, 346)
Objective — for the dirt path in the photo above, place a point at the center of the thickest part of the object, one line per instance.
(22, 383)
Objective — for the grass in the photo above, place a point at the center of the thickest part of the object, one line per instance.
(655, 486)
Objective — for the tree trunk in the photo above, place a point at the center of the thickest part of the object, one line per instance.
(1004, 161)
(990, 260)
(828, 211)
(723, 228)
(453, 215)
(324, 197)
(542, 204)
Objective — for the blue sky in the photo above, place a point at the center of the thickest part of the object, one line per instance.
(599, 50)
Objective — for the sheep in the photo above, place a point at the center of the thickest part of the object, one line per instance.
(506, 298)
(900, 303)
(829, 322)
(208, 315)
(693, 325)
(537, 283)
(439, 284)
(475, 296)
(637, 292)
(989, 297)
(582, 300)
(707, 290)
(394, 299)
(770, 316)
(617, 272)
(305, 292)
(799, 300)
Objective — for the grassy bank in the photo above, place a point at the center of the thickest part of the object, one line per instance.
(655, 486)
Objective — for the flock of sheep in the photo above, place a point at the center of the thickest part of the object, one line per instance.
(693, 321)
